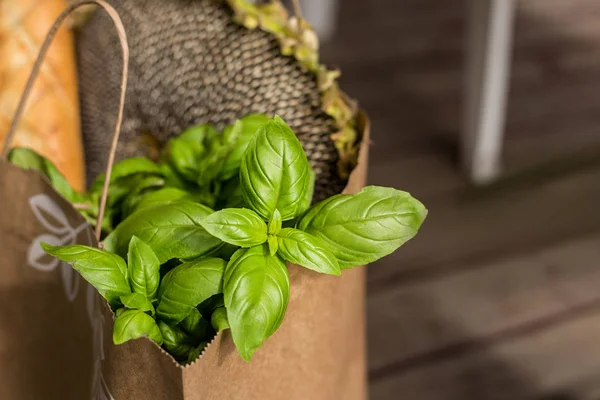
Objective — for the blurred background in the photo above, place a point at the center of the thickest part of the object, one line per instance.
(498, 297)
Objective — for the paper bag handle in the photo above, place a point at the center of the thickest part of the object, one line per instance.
(114, 16)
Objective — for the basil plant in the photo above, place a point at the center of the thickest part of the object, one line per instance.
(203, 239)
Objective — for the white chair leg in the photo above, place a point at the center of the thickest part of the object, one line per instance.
(322, 14)
(487, 82)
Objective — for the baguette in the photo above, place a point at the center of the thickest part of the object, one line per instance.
(50, 123)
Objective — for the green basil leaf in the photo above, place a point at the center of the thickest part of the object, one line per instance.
(256, 289)
(137, 301)
(144, 268)
(275, 223)
(195, 353)
(26, 158)
(107, 221)
(187, 285)
(171, 230)
(208, 306)
(311, 191)
(91, 216)
(204, 133)
(219, 319)
(185, 156)
(173, 178)
(162, 196)
(231, 133)
(237, 226)
(127, 168)
(247, 126)
(196, 326)
(225, 251)
(145, 185)
(187, 152)
(273, 245)
(134, 324)
(230, 195)
(218, 149)
(121, 189)
(105, 271)
(275, 173)
(29, 159)
(361, 228)
(133, 166)
(303, 249)
(175, 341)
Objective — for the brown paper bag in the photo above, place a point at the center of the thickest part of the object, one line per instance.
(58, 333)
(318, 353)
(46, 331)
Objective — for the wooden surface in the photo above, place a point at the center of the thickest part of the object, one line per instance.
(499, 295)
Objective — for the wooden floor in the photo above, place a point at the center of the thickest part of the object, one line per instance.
(499, 295)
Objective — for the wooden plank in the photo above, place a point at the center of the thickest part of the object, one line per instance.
(459, 230)
(412, 324)
(559, 363)
(437, 176)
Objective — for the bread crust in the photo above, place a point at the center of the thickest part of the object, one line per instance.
(50, 124)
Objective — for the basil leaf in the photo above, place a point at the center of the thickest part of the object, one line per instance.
(208, 306)
(303, 249)
(171, 230)
(29, 159)
(275, 223)
(311, 191)
(122, 188)
(275, 173)
(175, 340)
(187, 285)
(105, 271)
(127, 168)
(273, 245)
(134, 324)
(230, 195)
(144, 268)
(188, 151)
(236, 226)
(256, 289)
(195, 353)
(359, 229)
(143, 186)
(133, 166)
(248, 126)
(107, 222)
(185, 156)
(173, 178)
(218, 149)
(137, 301)
(162, 196)
(225, 251)
(91, 216)
(196, 326)
(219, 319)
(26, 159)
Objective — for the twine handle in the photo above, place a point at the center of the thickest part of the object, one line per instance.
(114, 16)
